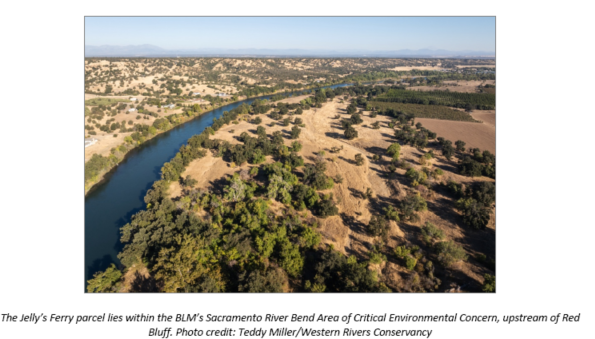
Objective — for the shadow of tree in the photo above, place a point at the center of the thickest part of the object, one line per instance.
(143, 284)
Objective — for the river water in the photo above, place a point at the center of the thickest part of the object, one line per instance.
(111, 204)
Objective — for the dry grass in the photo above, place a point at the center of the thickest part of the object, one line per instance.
(346, 232)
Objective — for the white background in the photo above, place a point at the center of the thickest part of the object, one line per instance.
(544, 225)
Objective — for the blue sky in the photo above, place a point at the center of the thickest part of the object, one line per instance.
(326, 33)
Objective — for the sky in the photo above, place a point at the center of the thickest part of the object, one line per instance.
(320, 33)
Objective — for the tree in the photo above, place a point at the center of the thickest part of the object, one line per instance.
(359, 159)
(470, 167)
(261, 131)
(410, 204)
(257, 121)
(236, 190)
(105, 282)
(258, 157)
(277, 138)
(189, 181)
(489, 283)
(350, 133)
(447, 150)
(326, 207)
(181, 266)
(356, 119)
(475, 214)
(430, 233)
(449, 253)
(394, 150)
(295, 132)
(259, 282)
(378, 226)
(296, 146)
(484, 192)
(460, 145)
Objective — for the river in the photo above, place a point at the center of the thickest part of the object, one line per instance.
(111, 204)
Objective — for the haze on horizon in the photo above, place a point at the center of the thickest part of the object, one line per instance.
(278, 34)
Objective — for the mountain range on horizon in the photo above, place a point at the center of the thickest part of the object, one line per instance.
(147, 50)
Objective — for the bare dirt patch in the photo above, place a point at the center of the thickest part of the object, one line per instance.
(480, 135)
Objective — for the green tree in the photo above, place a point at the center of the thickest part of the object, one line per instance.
(460, 145)
(394, 150)
(489, 283)
(105, 282)
(181, 266)
(359, 159)
(295, 132)
(449, 253)
(350, 133)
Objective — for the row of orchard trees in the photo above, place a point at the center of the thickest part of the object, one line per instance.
(482, 101)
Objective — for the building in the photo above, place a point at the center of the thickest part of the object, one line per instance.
(132, 99)
(169, 106)
(221, 94)
(132, 110)
(196, 93)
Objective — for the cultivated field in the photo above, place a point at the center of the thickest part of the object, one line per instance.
(463, 86)
(480, 135)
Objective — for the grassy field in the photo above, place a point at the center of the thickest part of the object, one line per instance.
(425, 111)
(104, 101)
(87, 111)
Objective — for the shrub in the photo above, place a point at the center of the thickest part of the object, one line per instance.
(410, 204)
(402, 251)
(410, 262)
(430, 232)
(489, 283)
(416, 178)
(257, 121)
(455, 188)
(378, 226)
(296, 146)
(391, 213)
(359, 159)
(449, 253)
(394, 151)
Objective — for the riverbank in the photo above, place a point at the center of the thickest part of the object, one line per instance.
(122, 150)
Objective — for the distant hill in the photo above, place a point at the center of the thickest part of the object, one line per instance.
(155, 51)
